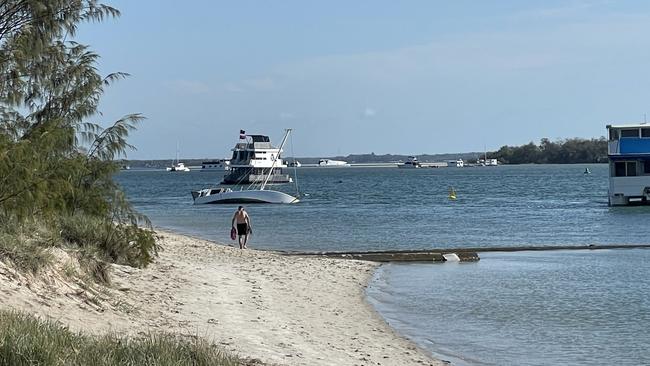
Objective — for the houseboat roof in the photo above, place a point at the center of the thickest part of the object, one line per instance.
(629, 125)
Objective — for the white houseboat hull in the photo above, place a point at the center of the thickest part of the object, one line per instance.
(625, 191)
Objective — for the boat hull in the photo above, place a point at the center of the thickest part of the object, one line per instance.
(248, 196)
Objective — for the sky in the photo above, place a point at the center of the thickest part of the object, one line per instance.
(350, 77)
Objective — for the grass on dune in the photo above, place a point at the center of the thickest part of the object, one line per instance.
(26, 340)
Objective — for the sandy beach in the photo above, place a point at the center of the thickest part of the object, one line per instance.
(265, 307)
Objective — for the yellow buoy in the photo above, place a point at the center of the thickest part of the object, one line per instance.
(452, 193)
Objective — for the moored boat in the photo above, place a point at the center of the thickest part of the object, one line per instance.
(254, 160)
(256, 193)
(628, 152)
(220, 165)
(179, 167)
(331, 163)
(411, 163)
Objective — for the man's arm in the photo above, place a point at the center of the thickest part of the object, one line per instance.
(248, 220)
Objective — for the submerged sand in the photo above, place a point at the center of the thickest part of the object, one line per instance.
(278, 309)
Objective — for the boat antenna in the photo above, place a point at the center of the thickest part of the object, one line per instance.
(295, 172)
(284, 139)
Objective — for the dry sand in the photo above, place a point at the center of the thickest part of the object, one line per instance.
(260, 305)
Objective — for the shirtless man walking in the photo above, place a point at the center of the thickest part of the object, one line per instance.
(243, 227)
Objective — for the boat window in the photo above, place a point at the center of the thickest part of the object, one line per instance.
(645, 132)
(619, 169)
(631, 168)
(613, 134)
(630, 133)
(646, 167)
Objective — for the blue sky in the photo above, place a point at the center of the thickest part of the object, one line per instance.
(405, 77)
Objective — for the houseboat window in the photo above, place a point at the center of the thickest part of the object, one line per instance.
(645, 132)
(646, 167)
(631, 168)
(630, 133)
(619, 169)
(613, 134)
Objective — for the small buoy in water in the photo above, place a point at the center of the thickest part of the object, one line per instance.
(340, 181)
(452, 193)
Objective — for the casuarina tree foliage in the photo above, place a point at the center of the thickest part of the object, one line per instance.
(57, 157)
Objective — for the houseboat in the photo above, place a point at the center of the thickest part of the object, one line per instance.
(456, 163)
(253, 159)
(215, 165)
(628, 152)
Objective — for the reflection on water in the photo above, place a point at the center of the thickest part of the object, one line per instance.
(527, 308)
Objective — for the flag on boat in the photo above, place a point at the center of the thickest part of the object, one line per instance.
(242, 134)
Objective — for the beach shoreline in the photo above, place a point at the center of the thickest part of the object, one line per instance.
(261, 305)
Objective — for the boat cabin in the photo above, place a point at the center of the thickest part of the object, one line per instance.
(628, 152)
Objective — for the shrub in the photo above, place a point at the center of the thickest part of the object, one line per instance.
(123, 243)
(26, 254)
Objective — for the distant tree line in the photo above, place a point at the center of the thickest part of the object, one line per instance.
(568, 151)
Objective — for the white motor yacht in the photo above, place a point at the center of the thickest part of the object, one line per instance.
(255, 159)
(411, 163)
(179, 167)
(256, 193)
(331, 163)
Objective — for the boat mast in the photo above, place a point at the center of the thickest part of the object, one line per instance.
(284, 139)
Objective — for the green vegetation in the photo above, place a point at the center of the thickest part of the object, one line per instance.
(570, 151)
(25, 340)
(56, 160)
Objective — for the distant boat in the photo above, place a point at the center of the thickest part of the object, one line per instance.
(456, 163)
(587, 171)
(295, 164)
(330, 163)
(220, 165)
(411, 163)
(177, 166)
(254, 194)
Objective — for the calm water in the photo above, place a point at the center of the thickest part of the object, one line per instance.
(520, 309)
(528, 308)
(379, 208)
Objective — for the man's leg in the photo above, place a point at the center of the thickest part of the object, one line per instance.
(240, 244)
(245, 240)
